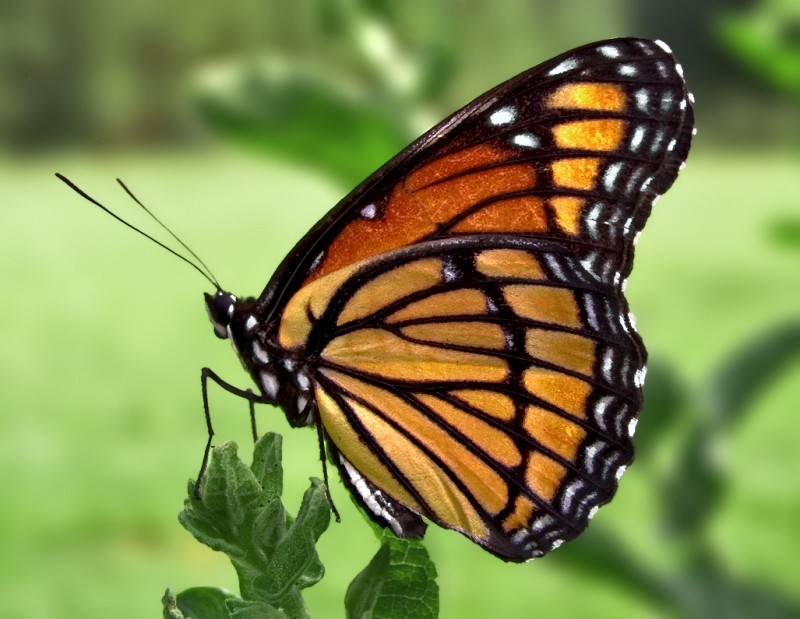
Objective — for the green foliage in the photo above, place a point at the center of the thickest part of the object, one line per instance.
(198, 602)
(766, 40)
(400, 581)
(692, 491)
(240, 514)
(343, 119)
(302, 118)
(785, 231)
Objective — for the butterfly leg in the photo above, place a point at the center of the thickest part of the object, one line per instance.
(248, 395)
(253, 415)
(323, 459)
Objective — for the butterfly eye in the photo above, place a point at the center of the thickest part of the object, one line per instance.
(220, 310)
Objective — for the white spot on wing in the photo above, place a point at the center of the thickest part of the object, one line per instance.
(250, 323)
(504, 116)
(593, 512)
(569, 494)
(566, 65)
(588, 262)
(591, 313)
(628, 70)
(626, 228)
(656, 145)
(555, 267)
(608, 364)
(260, 354)
(526, 140)
(600, 411)
(316, 262)
(632, 426)
(663, 45)
(638, 136)
(642, 98)
(303, 381)
(370, 498)
(610, 176)
(592, 218)
(269, 383)
(449, 273)
(609, 51)
(369, 211)
(620, 472)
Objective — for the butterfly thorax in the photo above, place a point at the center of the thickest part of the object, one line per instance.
(280, 375)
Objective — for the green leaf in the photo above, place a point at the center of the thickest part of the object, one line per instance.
(698, 483)
(171, 610)
(240, 513)
(695, 488)
(749, 370)
(785, 231)
(304, 115)
(205, 603)
(399, 581)
(599, 555)
(766, 40)
(245, 609)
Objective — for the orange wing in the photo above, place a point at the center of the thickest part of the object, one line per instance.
(457, 325)
(576, 149)
(488, 384)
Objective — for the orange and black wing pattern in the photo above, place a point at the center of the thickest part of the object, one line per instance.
(457, 325)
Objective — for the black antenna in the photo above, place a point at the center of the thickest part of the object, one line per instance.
(171, 233)
(86, 196)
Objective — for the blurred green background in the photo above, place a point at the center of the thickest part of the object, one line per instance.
(241, 123)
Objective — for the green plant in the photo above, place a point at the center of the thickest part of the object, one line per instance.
(239, 513)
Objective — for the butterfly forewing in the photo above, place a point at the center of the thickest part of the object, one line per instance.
(457, 324)
(576, 148)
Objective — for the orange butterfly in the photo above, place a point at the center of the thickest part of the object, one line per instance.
(456, 328)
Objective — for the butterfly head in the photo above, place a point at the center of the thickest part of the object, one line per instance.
(220, 308)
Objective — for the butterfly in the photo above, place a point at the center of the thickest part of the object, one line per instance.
(456, 327)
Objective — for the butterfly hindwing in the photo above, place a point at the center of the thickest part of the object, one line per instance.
(486, 383)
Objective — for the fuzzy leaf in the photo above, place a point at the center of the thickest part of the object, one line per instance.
(240, 513)
(399, 581)
(245, 609)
